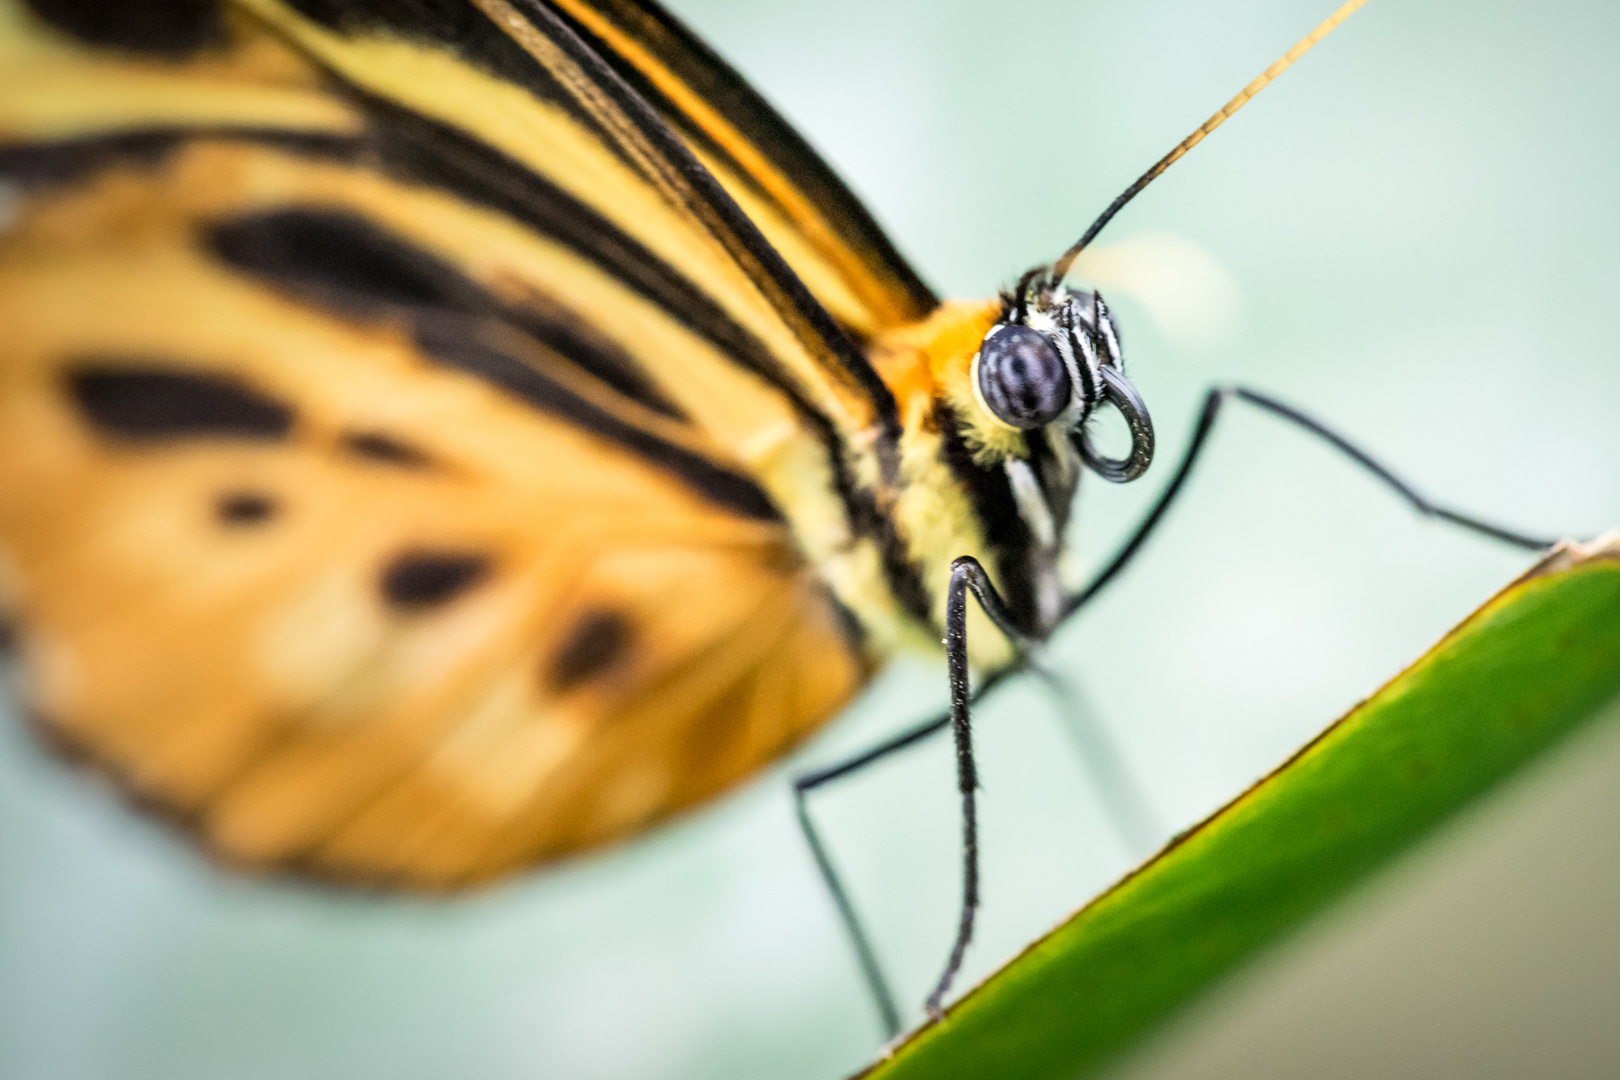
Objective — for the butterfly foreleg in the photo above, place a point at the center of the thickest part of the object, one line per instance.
(966, 576)
(1211, 411)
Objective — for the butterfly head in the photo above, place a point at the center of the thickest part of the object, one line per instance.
(1017, 384)
(1050, 361)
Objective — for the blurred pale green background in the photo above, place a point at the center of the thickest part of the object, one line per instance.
(1420, 222)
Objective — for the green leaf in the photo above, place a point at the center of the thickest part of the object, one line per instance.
(1519, 673)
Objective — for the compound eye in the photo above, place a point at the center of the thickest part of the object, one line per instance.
(1021, 377)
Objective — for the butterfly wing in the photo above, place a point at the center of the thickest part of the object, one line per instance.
(408, 461)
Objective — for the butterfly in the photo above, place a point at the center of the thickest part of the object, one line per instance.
(410, 389)
(439, 439)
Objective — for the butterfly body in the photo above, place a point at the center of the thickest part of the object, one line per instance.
(413, 470)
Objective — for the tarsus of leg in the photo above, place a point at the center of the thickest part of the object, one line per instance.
(871, 970)
(866, 955)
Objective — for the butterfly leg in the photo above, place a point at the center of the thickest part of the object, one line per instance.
(871, 969)
(1206, 423)
(966, 575)
(866, 956)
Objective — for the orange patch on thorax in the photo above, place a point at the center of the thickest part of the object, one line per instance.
(926, 360)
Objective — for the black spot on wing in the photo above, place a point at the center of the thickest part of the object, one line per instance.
(343, 261)
(417, 580)
(384, 449)
(236, 508)
(167, 28)
(150, 401)
(598, 641)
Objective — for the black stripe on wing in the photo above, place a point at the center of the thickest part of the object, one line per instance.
(349, 261)
(148, 399)
(59, 162)
(730, 95)
(459, 25)
(787, 294)
(341, 262)
(176, 29)
(595, 95)
(703, 195)
(172, 29)
(625, 123)
(421, 150)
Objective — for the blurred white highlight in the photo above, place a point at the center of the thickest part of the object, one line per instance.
(1192, 299)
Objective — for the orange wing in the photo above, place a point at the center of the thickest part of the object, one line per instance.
(378, 530)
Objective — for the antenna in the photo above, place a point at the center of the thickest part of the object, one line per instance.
(1060, 269)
